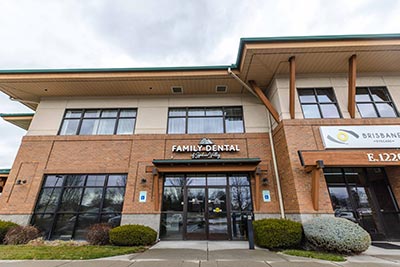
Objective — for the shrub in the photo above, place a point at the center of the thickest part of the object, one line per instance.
(277, 233)
(132, 235)
(99, 234)
(19, 235)
(4, 227)
(336, 235)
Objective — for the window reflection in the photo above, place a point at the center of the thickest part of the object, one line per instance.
(69, 204)
(373, 102)
(98, 121)
(205, 120)
(318, 103)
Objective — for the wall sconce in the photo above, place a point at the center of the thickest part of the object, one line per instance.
(20, 182)
(320, 164)
(143, 181)
(265, 181)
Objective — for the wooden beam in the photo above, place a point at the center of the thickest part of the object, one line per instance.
(352, 86)
(292, 86)
(351, 158)
(316, 174)
(265, 100)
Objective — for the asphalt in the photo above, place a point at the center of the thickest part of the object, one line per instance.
(217, 254)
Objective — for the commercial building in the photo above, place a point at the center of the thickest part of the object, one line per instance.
(299, 127)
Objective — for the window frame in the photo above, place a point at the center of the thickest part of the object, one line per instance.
(223, 116)
(99, 118)
(374, 102)
(57, 212)
(318, 103)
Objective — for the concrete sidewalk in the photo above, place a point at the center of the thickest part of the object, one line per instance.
(216, 253)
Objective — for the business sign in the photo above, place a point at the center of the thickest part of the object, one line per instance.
(206, 149)
(371, 136)
(266, 196)
(142, 196)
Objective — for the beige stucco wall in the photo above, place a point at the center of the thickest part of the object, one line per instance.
(278, 92)
(152, 111)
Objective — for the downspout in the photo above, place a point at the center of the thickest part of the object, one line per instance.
(278, 184)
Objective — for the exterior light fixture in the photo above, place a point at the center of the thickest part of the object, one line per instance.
(143, 181)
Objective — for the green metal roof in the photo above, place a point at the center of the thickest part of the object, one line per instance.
(206, 161)
(97, 70)
(313, 38)
(16, 114)
(5, 171)
(243, 41)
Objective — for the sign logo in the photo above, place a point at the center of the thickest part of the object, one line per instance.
(371, 136)
(342, 136)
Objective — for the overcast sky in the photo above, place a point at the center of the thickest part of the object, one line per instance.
(133, 33)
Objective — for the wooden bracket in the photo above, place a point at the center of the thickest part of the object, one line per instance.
(265, 100)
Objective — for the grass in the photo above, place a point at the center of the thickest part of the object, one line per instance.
(315, 255)
(26, 252)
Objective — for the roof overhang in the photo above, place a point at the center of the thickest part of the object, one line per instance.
(207, 165)
(263, 59)
(4, 172)
(23, 121)
(259, 59)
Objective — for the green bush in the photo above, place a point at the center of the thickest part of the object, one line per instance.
(277, 233)
(20, 235)
(4, 227)
(336, 235)
(132, 235)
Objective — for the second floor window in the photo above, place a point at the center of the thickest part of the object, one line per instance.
(205, 120)
(375, 102)
(318, 103)
(98, 121)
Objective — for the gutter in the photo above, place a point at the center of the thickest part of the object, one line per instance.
(278, 184)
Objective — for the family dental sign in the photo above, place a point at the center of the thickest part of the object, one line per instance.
(206, 149)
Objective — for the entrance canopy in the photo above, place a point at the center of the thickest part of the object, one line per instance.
(207, 165)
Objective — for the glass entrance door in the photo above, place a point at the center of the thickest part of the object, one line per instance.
(196, 226)
(217, 213)
(363, 196)
(205, 206)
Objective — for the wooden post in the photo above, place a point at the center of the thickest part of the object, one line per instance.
(156, 191)
(292, 86)
(265, 100)
(316, 174)
(257, 190)
(352, 86)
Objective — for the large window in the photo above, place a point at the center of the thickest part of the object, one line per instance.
(98, 121)
(375, 102)
(69, 204)
(318, 103)
(205, 120)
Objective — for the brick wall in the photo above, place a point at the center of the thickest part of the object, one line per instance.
(40, 155)
(293, 135)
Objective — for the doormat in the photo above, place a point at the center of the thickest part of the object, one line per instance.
(385, 245)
